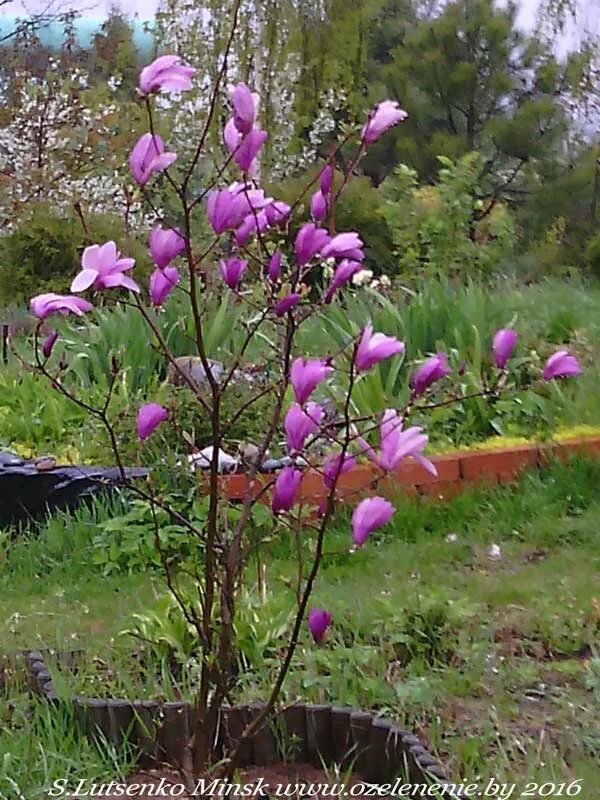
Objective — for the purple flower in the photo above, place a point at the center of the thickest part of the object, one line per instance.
(334, 466)
(300, 423)
(381, 118)
(561, 365)
(370, 514)
(103, 268)
(397, 444)
(286, 487)
(287, 303)
(248, 149)
(343, 273)
(232, 271)
(503, 345)
(318, 206)
(42, 305)
(318, 621)
(223, 210)
(305, 376)
(326, 180)
(48, 344)
(344, 245)
(254, 198)
(231, 136)
(310, 240)
(433, 369)
(244, 108)
(256, 221)
(166, 72)
(162, 282)
(374, 347)
(227, 208)
(149, 418)
(165, 245)
(274, 270)
(148, 156)
(278, 213)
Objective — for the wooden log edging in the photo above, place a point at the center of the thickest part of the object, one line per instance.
(379, 750)
(456, 472)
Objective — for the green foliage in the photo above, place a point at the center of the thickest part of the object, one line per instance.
(592, 254)
(38, 256)
(358, 209)
(443, 314)
(130, 541)
(42, 743)
(43, 252)
(435, 229)
(471, 80)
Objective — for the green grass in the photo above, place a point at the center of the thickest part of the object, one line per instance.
(494, 662)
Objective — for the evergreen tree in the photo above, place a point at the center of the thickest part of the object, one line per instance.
(471, 80)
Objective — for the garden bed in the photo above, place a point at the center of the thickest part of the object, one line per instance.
(376, 748)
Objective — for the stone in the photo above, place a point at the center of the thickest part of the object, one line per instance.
(203, 459)
(194, 369)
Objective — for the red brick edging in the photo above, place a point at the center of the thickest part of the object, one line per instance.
(456, 471)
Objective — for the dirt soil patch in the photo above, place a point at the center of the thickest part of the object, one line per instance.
(296, 780)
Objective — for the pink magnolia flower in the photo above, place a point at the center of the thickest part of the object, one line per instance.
(370, 514)
(374, 347)
(42, 305)
(48, 344)
(381, 118)
(346, 269)
(287, 303)
(227, 208)
(286, 488)
(247, 151)
(318, 621)
(561, 365)
(149, 418)
(430, 371)
(344, 245)
(397, 444)
(245, 106)
(326, 180)
(505, 341)
(162, 282)
(148, 156)
(165, 245)
(256, 221)
(231, 136)
(274, 269)
(334, 466)
(305, 376)
(166, 72)
(103, 268)
(278, 213)
(318, 206)
(299, 423)
(254, 198)
(310, 240)
(232, 271)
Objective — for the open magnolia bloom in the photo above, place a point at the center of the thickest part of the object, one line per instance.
(103, 268)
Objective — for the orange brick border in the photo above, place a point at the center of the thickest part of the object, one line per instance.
(456, 471)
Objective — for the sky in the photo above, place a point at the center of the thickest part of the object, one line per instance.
(589, 14)
(94, 8)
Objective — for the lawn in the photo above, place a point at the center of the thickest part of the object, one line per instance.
(490, 656)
